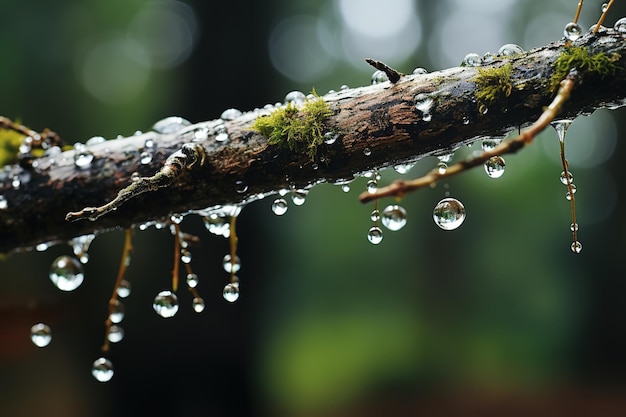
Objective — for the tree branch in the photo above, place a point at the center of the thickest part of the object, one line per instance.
(379, 126)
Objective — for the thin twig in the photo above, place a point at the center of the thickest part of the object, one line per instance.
(399, 188)
(603, 16)
(392, 74)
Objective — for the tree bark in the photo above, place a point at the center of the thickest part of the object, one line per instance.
(378, 127)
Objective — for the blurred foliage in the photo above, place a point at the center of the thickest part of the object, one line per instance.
(10, 142)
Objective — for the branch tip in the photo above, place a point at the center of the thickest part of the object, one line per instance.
(392, 74)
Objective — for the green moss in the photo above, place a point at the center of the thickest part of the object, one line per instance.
(492, 85)
(299, 130)
(10, 142)
(579, 58)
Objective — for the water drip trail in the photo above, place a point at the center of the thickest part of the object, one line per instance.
(561, 127)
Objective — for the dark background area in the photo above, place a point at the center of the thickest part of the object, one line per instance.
(497, 315)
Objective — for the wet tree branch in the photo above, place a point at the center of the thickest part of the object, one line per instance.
(379, 126)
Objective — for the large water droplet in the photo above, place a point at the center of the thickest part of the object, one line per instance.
(510, 49)
(217, 225)
(379, 77)
(231, 292)
(230, 266)
(165, 304)
(494, 167)
(375, 235)
(102, 369)
(449, 214)
(230, 114)
(41, 335)
(66, 273)
(279, 206)
(295, 97)
(171, 124)
(620, 26)
(394, 217)
(116, 334)
(564, 177)
(298, 197)
(572, 31)
(472, 60)
(117, 311)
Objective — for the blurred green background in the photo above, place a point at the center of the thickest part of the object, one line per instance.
(499, 313)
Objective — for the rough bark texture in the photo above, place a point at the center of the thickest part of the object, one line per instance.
(381, 117)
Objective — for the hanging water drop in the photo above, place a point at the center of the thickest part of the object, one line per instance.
(449, 214)
(604, 7)
(231, 292)
(102, 369)
(241, 186)
(171, 124)
(576, 246)
(279, 206)
(367, 151)
(472, 60)
(494, 167)
(510, 49)
(230, 114)
(41, 335)
(442, 167)
(572, 31)
(298, 197)
(165, 304)
(192, 280)
(379, 77)
(573, 227)
(216, 224)
(117, 311)
(568, 194)
(66, 273)
(330, 137)
(403, 168)
(565, 176)
(394, 217)
(489, 144)
(372, 186)
(148, 144)
(375, 235)
(345, 188)
(123, 290)
(620, 26)
(561, 126)
(185, 256)
(230, 266)
(145, 158)
(375, 215)
(197, 304)
(295, 97)
(115, 334)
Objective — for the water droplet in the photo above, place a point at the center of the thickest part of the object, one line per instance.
(220, 134)
(117, 311)
(446, 157)
(483, 109)
(279, 206)
(564, 177)
(372, 186)
(197, 304)
(330, 137)
(345, 188)
(231, 292)
(66, 273)
(192, 280)
(3, 203)
(217, 225)
(102, 369)
(561, 126)
(230, 114)
(466, 120)
(472, 60)
(572, 31)
(489, 144)
(494, 167)
(620, 25)
(367, 151)
(42, 247)
(605, 7)
(15, 182)
(241, 187)
(123, 290)
(82, 157)
(116, 334)
(403, 168)
(375, 235)
(295, 97)
(394, 217)
(573, 227)
(510, 49)
(375, 215)
(185, 256)
(231, 266)
(379, 77)
(568, 196)
(171, 124)
(449, 214)
(41, 335)
(423, 103)
(419, 71)
(148, 144)
(576, 247)
(145, 158)
(488, 57)
(299, 197)
(442, 167)
(165, 304)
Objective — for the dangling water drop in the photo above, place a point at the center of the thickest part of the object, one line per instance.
(170, 125)
(165, 304)
(394, 217)
(561, 126)
(298, 197)
(231, 292)
(372, 186)
(565, 176)
(449, 214)
(572, 31)
(576, 246)
(605, 7)
(489, 144)
(241, 186)
(379, 77)
(442, 167)
(367, 151)
(620, 26)
(472, 60)
(375, 215)
(117, 311)
(230, 266)
(345, 188)
(41, 335)
(279, 206)
(185, 256)
(116, 334)
(192, 280)
(403, 168)
(330, 137)
(66, 273)
(123, 290)
(216, 224)
(510, 49)
(568, 195)
(145, 158)
(102, 370)
(494, 167)
(197, 304)
(375, 235)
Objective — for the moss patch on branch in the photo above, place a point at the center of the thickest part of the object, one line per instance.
(492, 85)
(297, 129)
(579, 58)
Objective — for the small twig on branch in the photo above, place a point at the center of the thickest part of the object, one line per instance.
(399, 188)
(392, 74)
